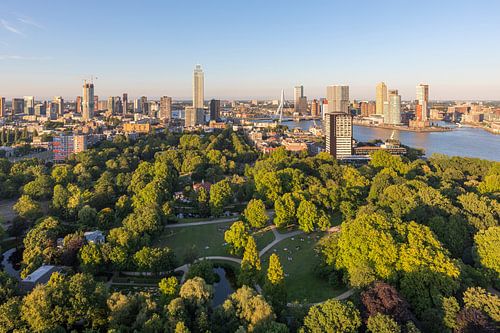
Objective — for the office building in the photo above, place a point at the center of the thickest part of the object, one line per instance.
(338, 130)
(2, 107)
(193, 116)
(198, 88)
(392, 108)
(124, 103)
(114, 106)
(338, 99)
(88, 101)
(423, 100)
(300, 101)
(214, 109)
(165, 114)
(380, 97)
(59, 102)
(17, 105)
(29, 105)
(367, 108)
(40, 110)
(137, 106)
(144, 105)
(315, 108)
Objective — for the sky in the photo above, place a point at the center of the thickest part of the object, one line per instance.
(250, 49)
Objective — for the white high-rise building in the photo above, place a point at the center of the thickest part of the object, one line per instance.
(59, 101)
(338, 130)
(29, 104)
(88, 102)
(392, 108)
(198, 88)
(423, 100)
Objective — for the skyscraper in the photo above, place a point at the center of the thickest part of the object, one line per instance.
(338, 130)
(59, 101)
(380, 98)
(125, 103)
(315, 108)
(144, 105)
(17, 105)
(29, 105)
(338, 98)
(165, 108)
(198, 87)
(392, 108)
(423, 100)
(112, 106)
(300, 101)
(2, 107)
(88, 102)
(214, 109)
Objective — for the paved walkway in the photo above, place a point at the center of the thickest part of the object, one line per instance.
(194, 224)
(278, 238)
(184, 268)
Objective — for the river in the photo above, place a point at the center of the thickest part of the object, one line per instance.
(463, 141)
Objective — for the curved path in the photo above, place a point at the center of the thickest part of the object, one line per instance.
(184, 268)
(278, 238)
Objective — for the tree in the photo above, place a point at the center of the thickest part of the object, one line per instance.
(154, 259)
(87, 216)
(7, 287)
(285, 210)
(180, 327)
(220, 195)
(39, 188)
(332, 316)
(480, 299)
(91, 257)
(307, 215)
(10, 315)
(487, 243)
(255, 213)
(169, 286)
(196, 291)
(27, 208)
(250, 264)
(385, 299)
(472, 320)
(381, 323)
(236, 237)
(203, 269)
(450, 308)
(275, 274)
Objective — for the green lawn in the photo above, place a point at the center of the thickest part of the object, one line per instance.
(301, 282)
(208, 240)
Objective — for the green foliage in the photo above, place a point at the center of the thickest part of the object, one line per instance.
(381, 323)
(480, 299)
(285, 210)
(331, 317)
(250, 264)
(153, 259)
(236, 237)
(203, 269)
(255, 213)
(307, 216)
(275, 274)
(87, 216)
(28, 208)
(487, 246)
(169, 286)
(220, 196)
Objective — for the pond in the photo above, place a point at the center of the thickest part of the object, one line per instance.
(11, 262)
(224, 287)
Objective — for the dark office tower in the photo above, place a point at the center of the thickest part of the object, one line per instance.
(2, 107)
(214, 109)
(124, 103)
(78, 104)
(96, 103)
(17, 105)
(144, 105)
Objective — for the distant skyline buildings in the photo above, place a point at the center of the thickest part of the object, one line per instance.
(88, 101)
(198, 87)
(338, 98)
(423, 100)
(380, 98)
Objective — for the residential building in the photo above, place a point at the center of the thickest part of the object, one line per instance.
(88, 102)
(423, 100)
(144, 105)
(165, 109)
(2, 107)
(65, 145)
(40, 110)
(198, 88)
(338, 129)
(78, 104)
(380, 98)
(315, 108)
(137, 128)
(393, 114)
(124, 103)
(214, 109)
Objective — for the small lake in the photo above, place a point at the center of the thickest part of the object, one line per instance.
(223, 288)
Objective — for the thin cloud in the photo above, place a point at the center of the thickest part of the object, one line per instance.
(4, 43)
(29, 21)
(18, 57)
(10, 28)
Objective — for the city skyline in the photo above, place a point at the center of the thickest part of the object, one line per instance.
(249, 57)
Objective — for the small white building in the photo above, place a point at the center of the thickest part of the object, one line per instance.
(40, 276)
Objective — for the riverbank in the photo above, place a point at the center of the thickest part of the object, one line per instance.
(405, 128)
(487, 129)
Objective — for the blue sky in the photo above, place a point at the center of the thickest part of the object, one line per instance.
(250, 49)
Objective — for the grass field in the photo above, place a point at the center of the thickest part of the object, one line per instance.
(208, 240)
(301, 282)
